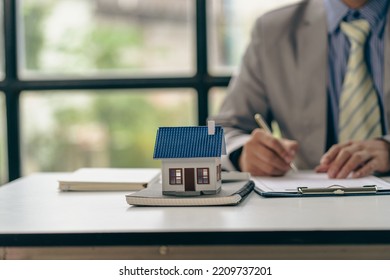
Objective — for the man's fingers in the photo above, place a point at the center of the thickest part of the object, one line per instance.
(332, 153)
(259, 161)
(273, 144)
(265, 168)
(357, 159)
(265, 155)
(291, 146)
(365, 170)
(342, 158)
(273, 163)
(322, 168)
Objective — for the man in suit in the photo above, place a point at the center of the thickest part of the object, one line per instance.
(318, 68)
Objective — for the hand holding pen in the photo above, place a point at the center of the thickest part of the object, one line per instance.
(262, 124)
(265, 155)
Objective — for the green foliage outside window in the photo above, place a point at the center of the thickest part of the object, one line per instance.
(113, 129)
(33, 25)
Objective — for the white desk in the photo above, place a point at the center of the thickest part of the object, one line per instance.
(38, 221)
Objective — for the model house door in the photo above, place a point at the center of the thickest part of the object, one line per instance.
(189, 179)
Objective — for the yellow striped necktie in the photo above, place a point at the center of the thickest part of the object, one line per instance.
(359, 112)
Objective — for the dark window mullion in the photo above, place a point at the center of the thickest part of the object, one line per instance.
(11, 94)
(90, 84)
(202, 61)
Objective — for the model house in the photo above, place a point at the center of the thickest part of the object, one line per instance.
(191, 159)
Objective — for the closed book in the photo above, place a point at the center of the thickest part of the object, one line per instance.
(232, 193)
(109, 179)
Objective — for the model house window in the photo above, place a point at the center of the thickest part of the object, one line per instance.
(175, 176)
(203, 176)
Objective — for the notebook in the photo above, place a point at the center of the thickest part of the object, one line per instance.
(232, 193)
(109, 179)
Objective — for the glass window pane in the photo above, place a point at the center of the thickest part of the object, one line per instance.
(63, 131)
(106, 37)
(1, 41)
(3, 142)
(230, 25)
(216, 97)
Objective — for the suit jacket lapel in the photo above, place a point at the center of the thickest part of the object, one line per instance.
(312, 62)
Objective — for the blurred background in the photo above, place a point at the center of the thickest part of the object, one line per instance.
(86, 83)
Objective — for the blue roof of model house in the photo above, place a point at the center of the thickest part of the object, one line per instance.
(189, 142)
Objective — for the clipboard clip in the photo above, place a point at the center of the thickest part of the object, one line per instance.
(338, 190)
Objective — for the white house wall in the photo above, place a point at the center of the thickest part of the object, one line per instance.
(210, 163)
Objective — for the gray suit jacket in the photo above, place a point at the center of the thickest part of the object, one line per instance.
(284, 77)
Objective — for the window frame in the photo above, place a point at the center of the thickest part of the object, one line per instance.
(12, 85)
(175, 176)
(203, 178)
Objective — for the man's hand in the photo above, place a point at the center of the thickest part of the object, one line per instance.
(265, 155)
(361, 158)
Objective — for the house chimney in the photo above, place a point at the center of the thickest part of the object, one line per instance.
(211, 127)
